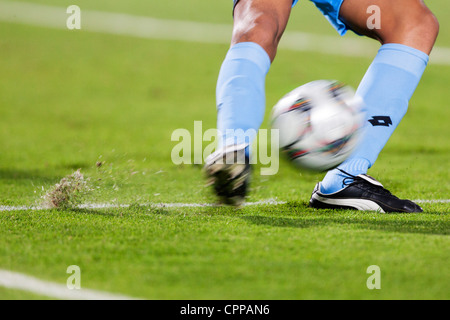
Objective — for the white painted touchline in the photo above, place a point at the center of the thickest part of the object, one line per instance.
(19, 281)
(153, 205)
(432, 201)
(270, 202)
(151, 28)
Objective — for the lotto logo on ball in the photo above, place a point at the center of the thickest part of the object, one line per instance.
(319, 124)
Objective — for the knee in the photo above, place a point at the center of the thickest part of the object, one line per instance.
(432, 25)
(416, 26)
(423, 24)
(263, 30)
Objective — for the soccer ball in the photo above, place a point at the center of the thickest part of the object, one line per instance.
(319, 124)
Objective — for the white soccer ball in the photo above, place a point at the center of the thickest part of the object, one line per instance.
(319, 124)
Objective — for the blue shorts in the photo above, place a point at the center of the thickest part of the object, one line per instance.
(330, 9)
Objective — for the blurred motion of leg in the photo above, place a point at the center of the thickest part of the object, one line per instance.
(240, 93)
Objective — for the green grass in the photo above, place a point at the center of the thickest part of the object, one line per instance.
(304, 17)
(283, 252)
(70, 99)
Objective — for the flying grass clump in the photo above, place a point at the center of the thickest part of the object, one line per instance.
(68, 193)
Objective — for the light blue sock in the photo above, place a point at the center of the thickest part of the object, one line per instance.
(240, 93)
(386, 90)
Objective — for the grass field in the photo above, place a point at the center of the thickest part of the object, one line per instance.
(71, 99)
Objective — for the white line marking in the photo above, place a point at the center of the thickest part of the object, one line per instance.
(151, 28)
(19, 281)
(154, 205)
(270, 202)
(432, 201)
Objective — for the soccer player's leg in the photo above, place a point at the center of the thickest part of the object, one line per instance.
(240, 92)
(407, 31)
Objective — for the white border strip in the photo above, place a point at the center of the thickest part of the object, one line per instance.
(154, 205)
(270, 202)
(432, 201)
(151, 28)
(19, 281)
